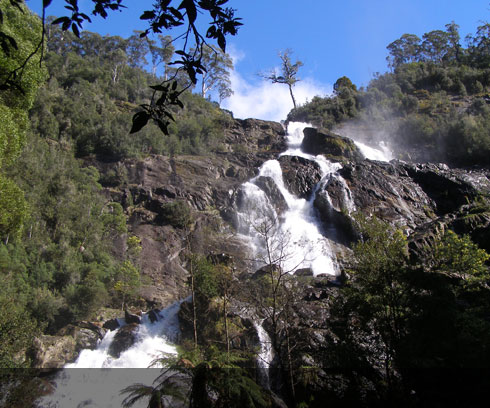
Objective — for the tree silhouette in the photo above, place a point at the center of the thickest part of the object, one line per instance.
(288, 73)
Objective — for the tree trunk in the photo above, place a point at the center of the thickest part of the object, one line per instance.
(227, 335)
(292, 96)
(194, 314)
(290, 364)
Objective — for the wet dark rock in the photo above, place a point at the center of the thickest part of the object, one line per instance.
(448, 188)
(387, 191)
(338, 223)
(300, 175)
(153, 315)
(334, 147)
(316, 294)
(269, 187)
(131, 318)
(124, 338)
(111, 324)
(220, 259)
(303, 272)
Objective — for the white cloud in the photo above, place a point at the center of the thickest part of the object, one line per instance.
(264, 100)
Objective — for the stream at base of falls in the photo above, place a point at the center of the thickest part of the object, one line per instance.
(97, 378)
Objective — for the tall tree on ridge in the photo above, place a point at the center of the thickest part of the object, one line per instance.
(288, 74)
(217, 75)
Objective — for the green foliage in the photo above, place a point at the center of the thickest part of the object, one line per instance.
(17, 327)
(15, 101)
(461, 257)
(413, 320)
(206, 277)
(128, 281)
(426, 108)
(13, 207)
(91, 96)
(176, 213)
(379, 271)
(217, 380)
(62, 257)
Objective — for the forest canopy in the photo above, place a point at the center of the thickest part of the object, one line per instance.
(433, 106)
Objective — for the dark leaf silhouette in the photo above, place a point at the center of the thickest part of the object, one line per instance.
(140, 120)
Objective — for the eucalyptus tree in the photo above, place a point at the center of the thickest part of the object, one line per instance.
(435, 45)
(137, 49)
(404, 50)
(288, 73)
(161, 53)
(479, 46)
(456, 51)
(217, 75)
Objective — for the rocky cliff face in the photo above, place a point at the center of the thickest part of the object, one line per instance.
(419, 198)
(209, 186)
(422, 199)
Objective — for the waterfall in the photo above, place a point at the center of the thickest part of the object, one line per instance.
(381, 154)
(265, 355)
(301, 242)
(96, 378)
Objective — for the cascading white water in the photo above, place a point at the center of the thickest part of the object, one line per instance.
(381, 154)
(298, 233)
(96, 378)
(264, 358)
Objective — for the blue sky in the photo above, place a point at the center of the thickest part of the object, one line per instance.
(332, 38)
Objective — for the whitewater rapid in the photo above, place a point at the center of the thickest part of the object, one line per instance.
(96, 378)
(298, 238)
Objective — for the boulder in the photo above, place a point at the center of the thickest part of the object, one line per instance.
(95, 327)
(269, 187)
(334, 147)
(153, 315)
(53, 351)
(131, 318)
(111, 324)
(124, 338)
(86, 335)
(86, 339)
(300, 175)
